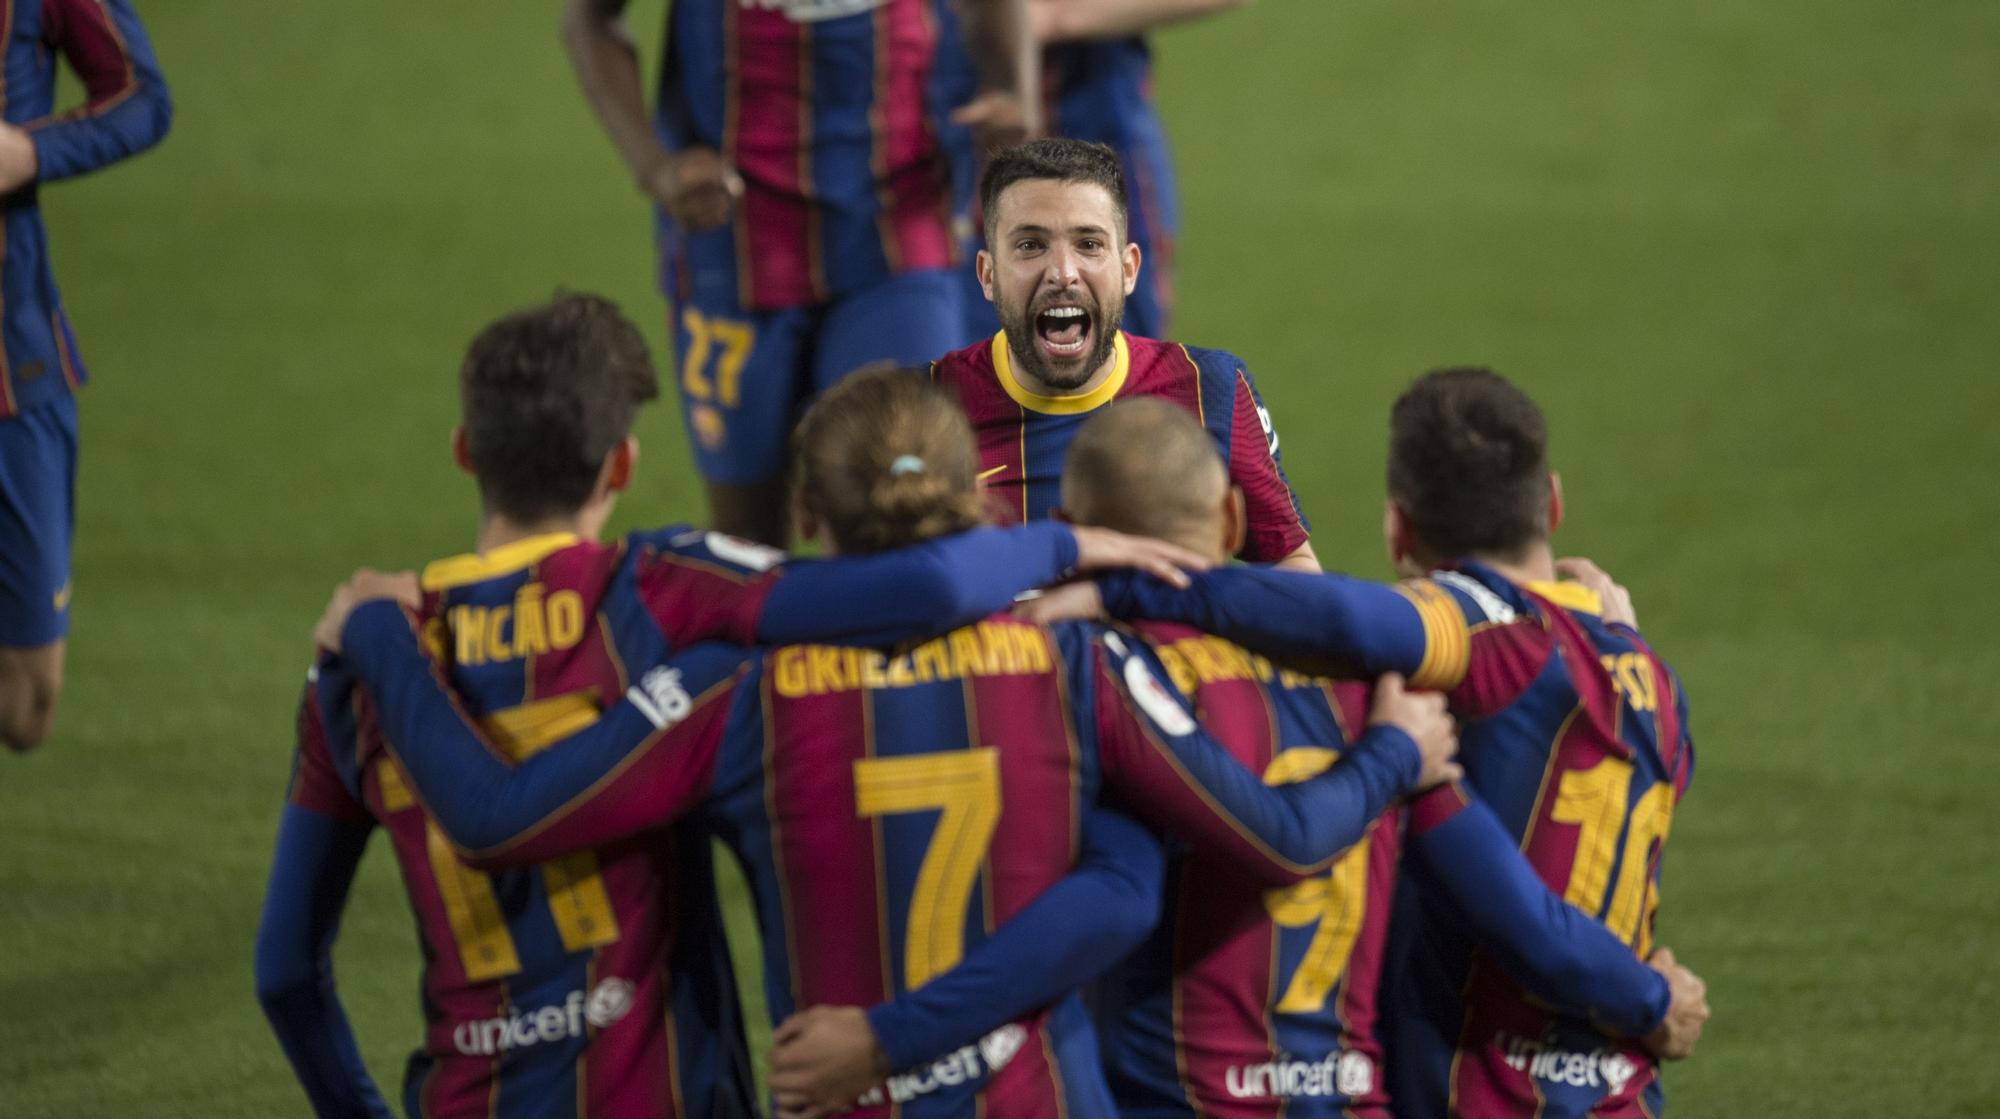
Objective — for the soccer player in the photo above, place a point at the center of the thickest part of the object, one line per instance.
(1249, 1001)
(1576, 734)
(1059, 268)
(594, 982)
(125, 111)
(890, 809)
(806, 210)
(1098, 71)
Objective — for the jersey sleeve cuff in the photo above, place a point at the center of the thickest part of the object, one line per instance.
(1394, 745)
(893, 1035)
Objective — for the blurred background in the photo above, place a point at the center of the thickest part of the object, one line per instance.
(1747, 256)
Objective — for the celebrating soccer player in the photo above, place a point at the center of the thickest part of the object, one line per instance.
(126, 110)
(1575, 734)
(1059, 268)
(806, 210)
(890, 809)
(591, 982)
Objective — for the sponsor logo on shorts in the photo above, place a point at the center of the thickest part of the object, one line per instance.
(602, 1007)
(1603, 1067)
(62, 597)
(1349, 1075)
(992, 1053)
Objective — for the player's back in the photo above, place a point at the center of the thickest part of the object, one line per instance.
(891, 811)
(1249, 1001)
(565, 988)
(1578, 742)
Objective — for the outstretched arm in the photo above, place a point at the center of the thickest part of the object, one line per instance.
(126, 108)
(638, 767)
(1369, 627)
(310, 875)
(1162, 766)
(826, 1056)
(1556, 951)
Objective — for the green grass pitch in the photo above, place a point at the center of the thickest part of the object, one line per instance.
(1745, 255)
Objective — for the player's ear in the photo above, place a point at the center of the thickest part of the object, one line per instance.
(1399, 539)
(1131, 262)
(461, 451)
(1056, 514)
(620, 464)
(1555, 502)
(982, 266)
(1235, 521)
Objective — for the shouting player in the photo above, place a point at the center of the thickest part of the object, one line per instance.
(126, 110)
(590, 983)
(1059, 268)
(805, 203)
(1250, 1001)
(1575, 734)
(891, 809)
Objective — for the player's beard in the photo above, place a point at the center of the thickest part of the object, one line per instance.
(1019, 323)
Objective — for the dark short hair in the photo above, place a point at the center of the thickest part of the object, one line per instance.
(546, 393)
(1064, 161)
(1469, 463)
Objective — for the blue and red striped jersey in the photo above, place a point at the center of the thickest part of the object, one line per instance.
(1251, 1001)
(891, 811)
(1576, 736)
(126, 110)
(594, 984)
(830, 111)
(1024, 436)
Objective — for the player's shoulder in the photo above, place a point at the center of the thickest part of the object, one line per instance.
(1483, 596)
(967, 361)
(687, 545)
(1154, 356)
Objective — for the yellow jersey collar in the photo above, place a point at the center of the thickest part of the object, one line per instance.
(474, 567)
(1121, 367)
(1569, 596)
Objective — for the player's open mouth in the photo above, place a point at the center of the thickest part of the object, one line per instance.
(1064, 331)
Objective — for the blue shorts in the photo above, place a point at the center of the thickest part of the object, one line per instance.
(746, 376)
(37, 517)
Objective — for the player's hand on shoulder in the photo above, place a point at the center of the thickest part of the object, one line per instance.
(1686, 1014)
(823, 1058)
(1617, 600)
(697, 187)
(1101, 549)
(1421, 715)
(1071, 602)
(365, 585)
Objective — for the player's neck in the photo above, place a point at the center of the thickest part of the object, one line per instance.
(1536, 564)
(1040, 387)
(496, 531)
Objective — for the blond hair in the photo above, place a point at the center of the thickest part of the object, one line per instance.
(886, 459)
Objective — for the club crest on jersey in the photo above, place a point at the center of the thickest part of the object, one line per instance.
(815, 11)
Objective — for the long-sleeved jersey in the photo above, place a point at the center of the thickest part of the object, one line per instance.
(595, 984)
(1576, 736)
(831, 110)
(126, 110)
(891, 811)
(1024, 436)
